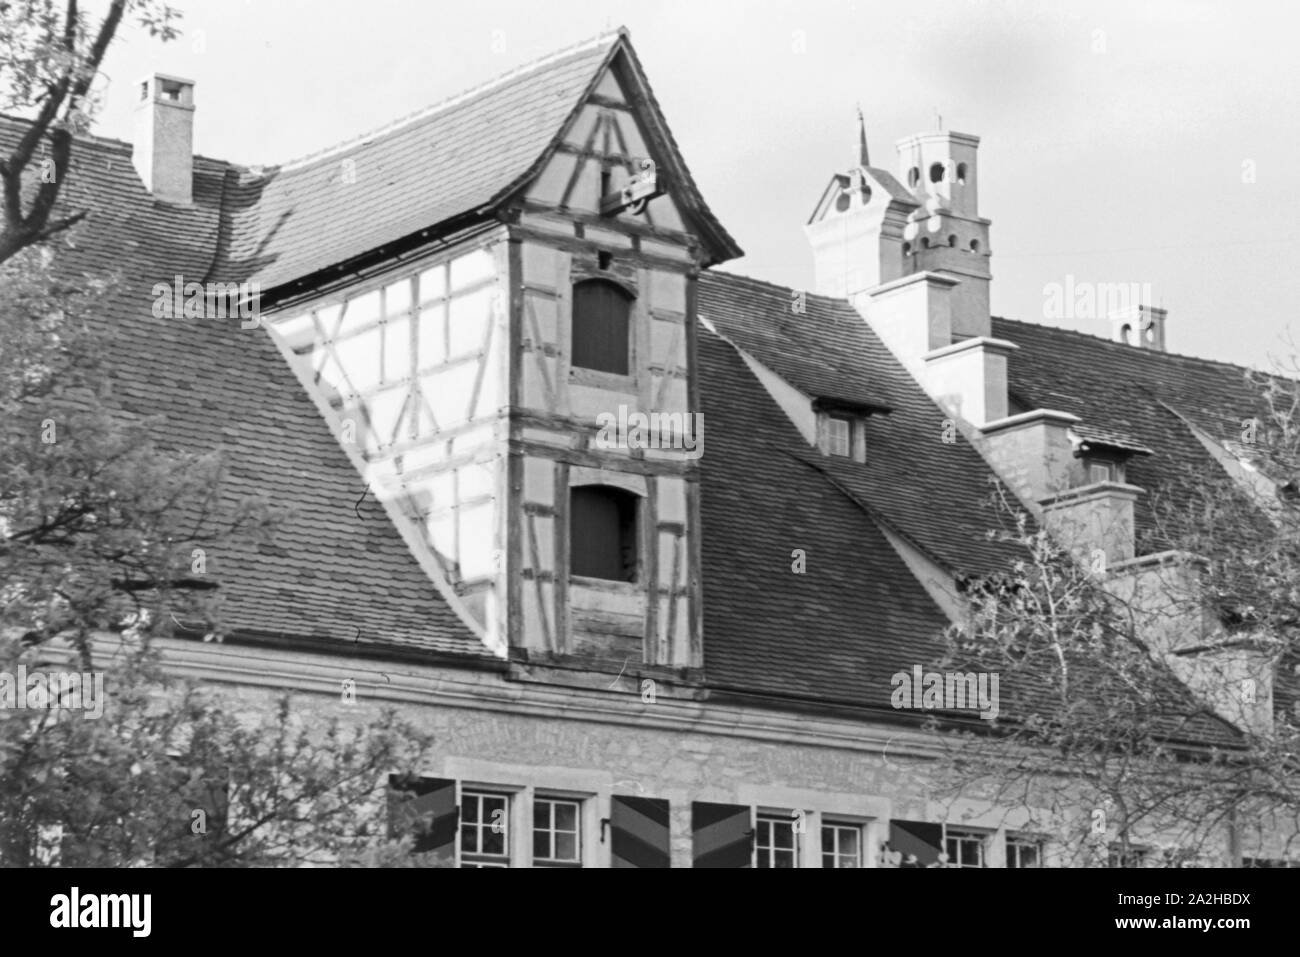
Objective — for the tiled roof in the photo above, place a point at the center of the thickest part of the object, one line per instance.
(447, 161)
(835, 633)
(1110, 438)
(937, 493)
(455, 160)
(330, 573)
(1144, 394)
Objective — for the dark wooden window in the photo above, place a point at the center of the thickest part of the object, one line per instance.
(601, 316)
(602, 533)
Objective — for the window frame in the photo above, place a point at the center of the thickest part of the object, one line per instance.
(857, 434)
(633, 526)
(552, 798)
(964, 837)
(1016, 843)
(790, 818)
(479, 859)
(835, 824)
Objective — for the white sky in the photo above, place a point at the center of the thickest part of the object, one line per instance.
(1113, 133)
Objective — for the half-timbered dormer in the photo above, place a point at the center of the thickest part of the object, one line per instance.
(518, 388)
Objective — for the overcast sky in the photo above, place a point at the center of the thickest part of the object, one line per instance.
(1119, 140)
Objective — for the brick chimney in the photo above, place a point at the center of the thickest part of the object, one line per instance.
(163, 152)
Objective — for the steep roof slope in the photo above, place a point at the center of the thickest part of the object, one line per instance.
(453, 161)
(937, 493)
(1146, 395)
(331, 573)
(835, 632)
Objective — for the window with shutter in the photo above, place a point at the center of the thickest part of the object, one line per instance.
(602, 533)
(601, 316)
(426, 808)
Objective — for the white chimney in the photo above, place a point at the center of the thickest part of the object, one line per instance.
(1140, 325)
(163, 152)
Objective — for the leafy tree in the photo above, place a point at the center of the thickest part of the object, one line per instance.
(50, 56)
(98, 528)
(1137, 708)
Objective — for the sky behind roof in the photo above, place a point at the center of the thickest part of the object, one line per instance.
(1121, 142)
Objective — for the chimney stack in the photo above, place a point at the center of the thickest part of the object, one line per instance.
(1141, 326)
(163, 152)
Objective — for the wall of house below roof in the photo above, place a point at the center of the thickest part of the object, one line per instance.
(592, 743)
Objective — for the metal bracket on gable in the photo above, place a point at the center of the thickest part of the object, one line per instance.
(635, 194)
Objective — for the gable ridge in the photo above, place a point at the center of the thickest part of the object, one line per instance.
(605, 37)
(1141, 354)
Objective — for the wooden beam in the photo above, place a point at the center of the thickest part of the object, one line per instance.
(664, 235)
(608, 102)
(560, 508)
(649, 531)
(588, 247)
(597, 461)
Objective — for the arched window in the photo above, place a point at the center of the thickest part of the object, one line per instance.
(602, 533)
(936, 172)
(961, 173)
(601, 314)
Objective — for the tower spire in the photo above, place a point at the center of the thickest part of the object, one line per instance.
(861, 145)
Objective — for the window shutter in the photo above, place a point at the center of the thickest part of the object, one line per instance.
(639, 832)
(916, 837)
(721, 835)
(426, 807)
(601, 314)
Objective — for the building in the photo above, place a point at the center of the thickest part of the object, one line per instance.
(476, 352)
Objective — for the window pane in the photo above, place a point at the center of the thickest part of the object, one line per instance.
(566, 817)
(839, 436)
(566, 846)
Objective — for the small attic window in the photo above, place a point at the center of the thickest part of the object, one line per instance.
(171, 91)
(913, 177)
(936, 172)
(974, 245)
(843, 435)
(144, 90)
(961, 173)
(907, 249)
(952, 239)
(1103, 468)
(1126, 334)
(925, 242)
(1101, 472)
(842, 201)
